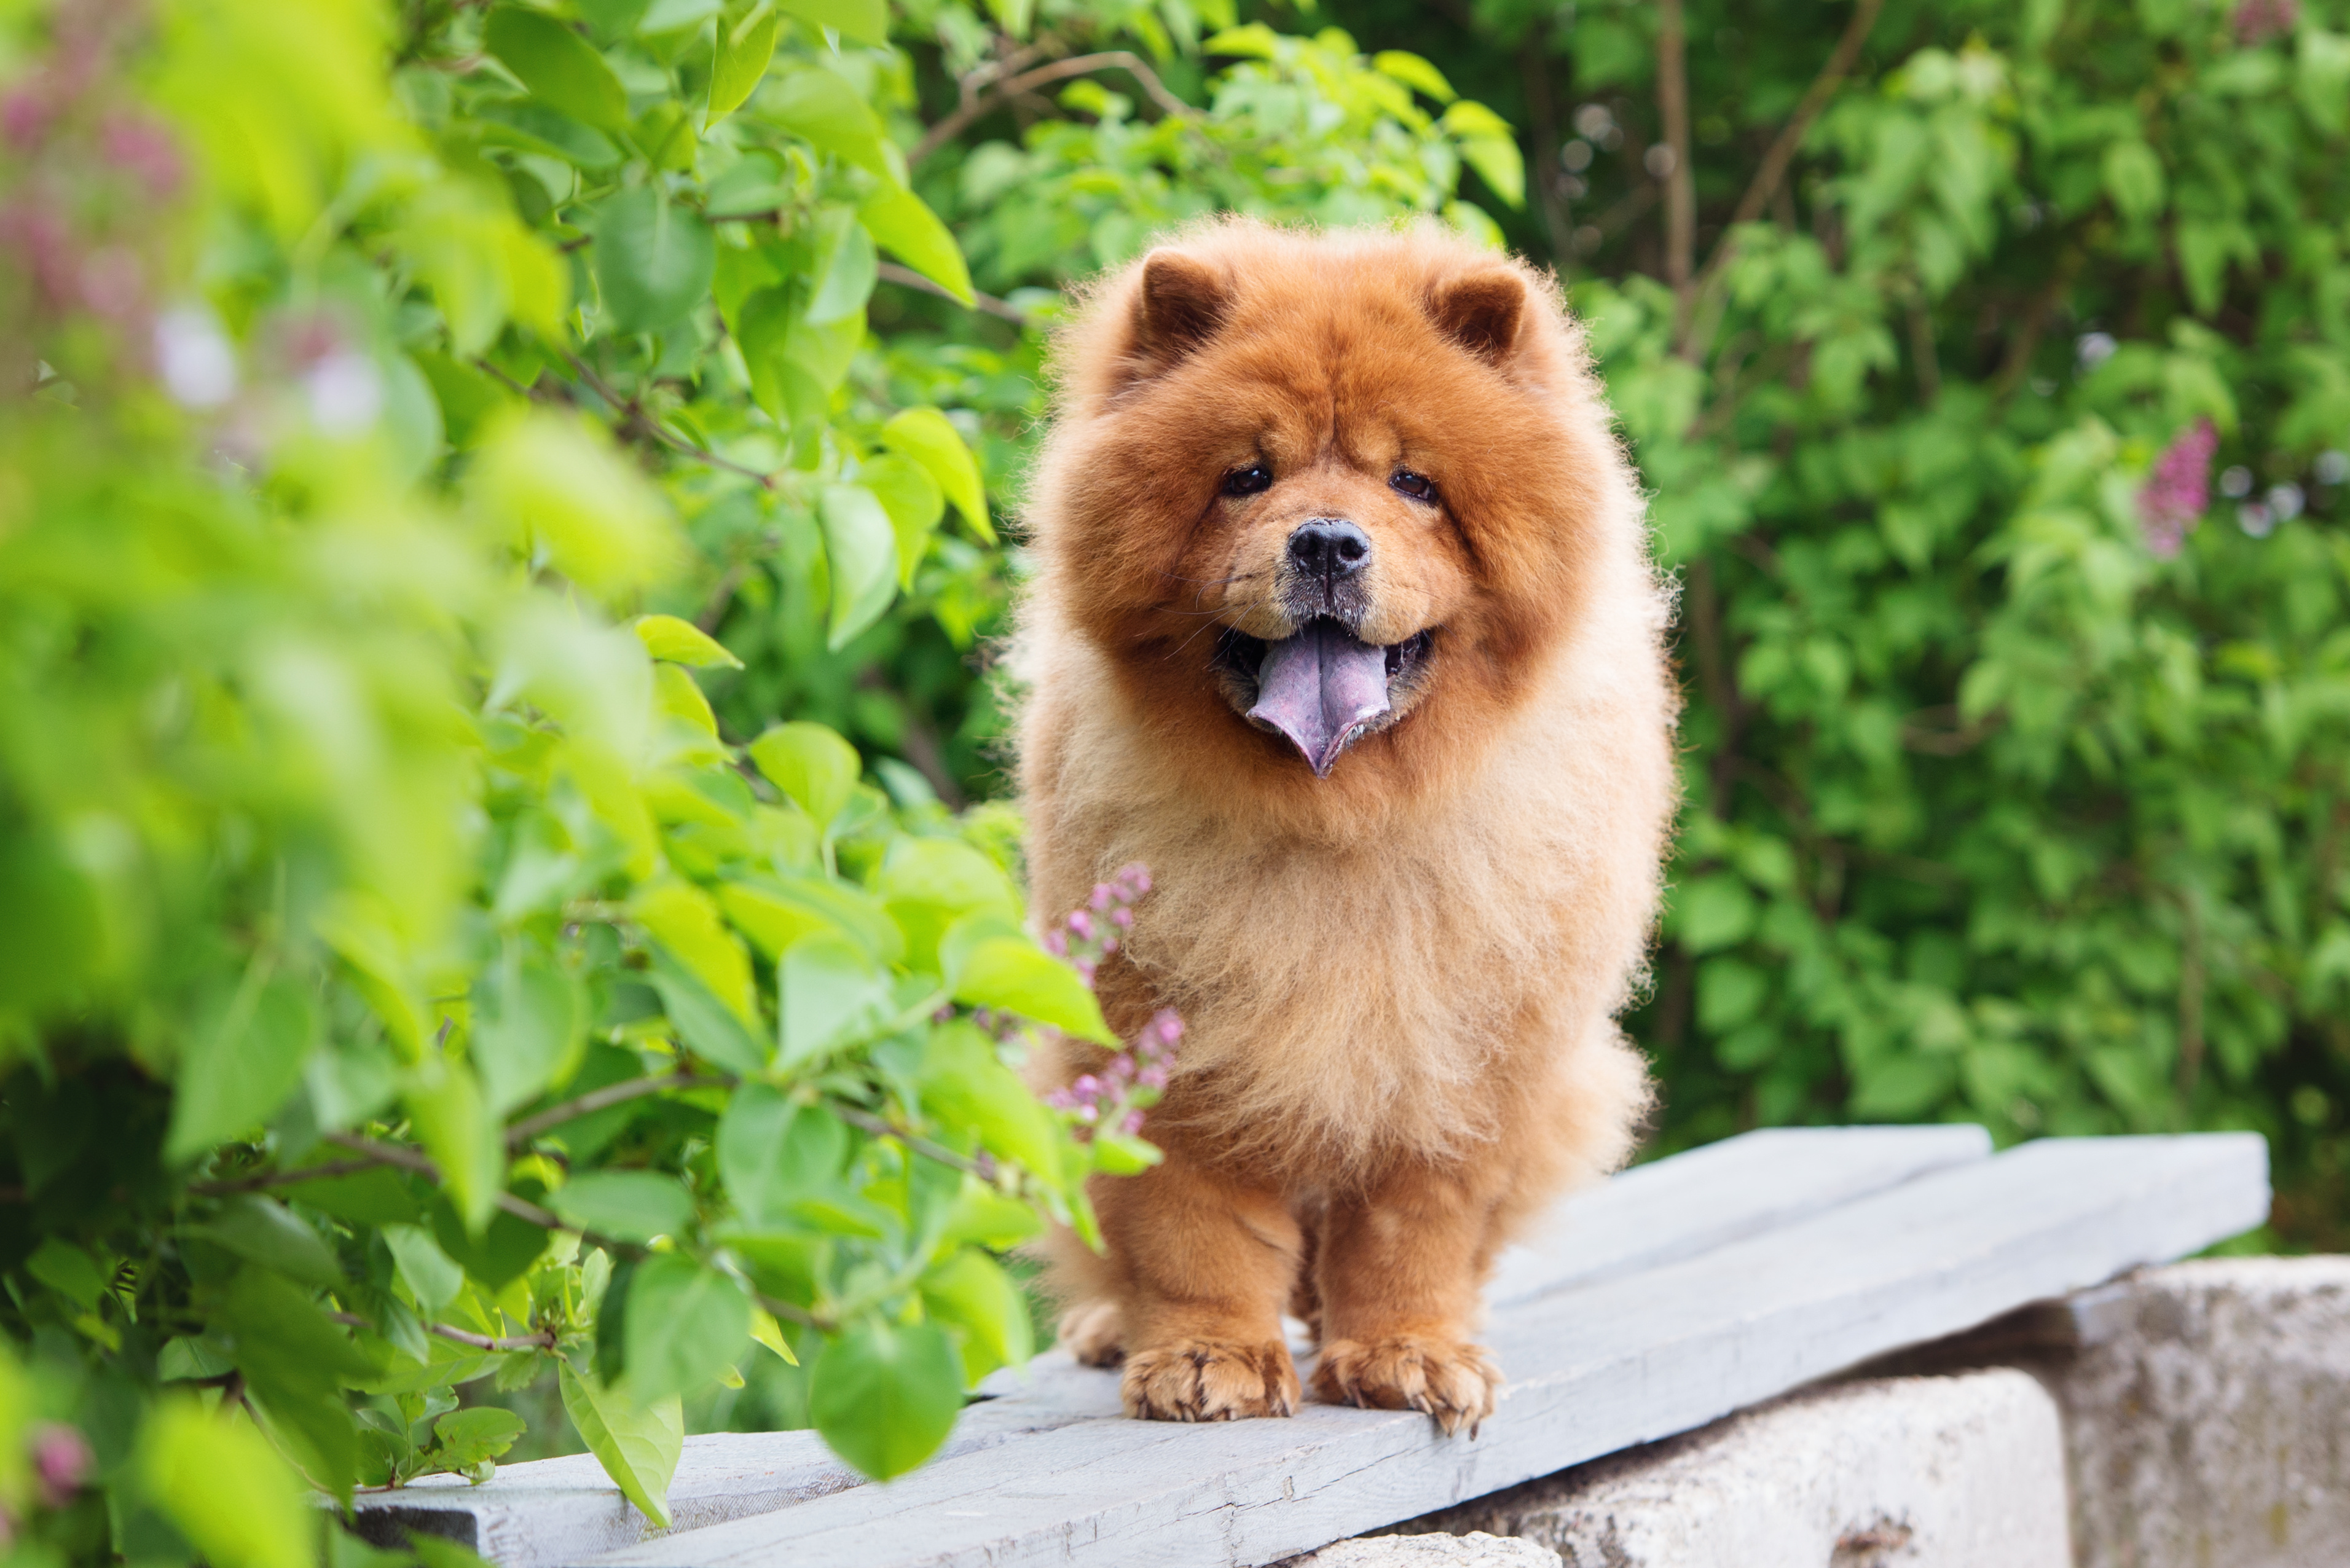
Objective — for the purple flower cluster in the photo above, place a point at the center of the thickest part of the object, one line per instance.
(1127, 1085)
(2258, 20)
(1092, 932)
(2179, 492)
(1130, 1082)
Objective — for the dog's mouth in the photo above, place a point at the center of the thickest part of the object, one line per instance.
(1320, 687)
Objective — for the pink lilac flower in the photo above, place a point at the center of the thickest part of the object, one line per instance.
(1119, 1092)
(61, 1457)
(2258, 20)
(2179, 491)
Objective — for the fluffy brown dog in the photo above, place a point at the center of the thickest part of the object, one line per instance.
(1344, 623)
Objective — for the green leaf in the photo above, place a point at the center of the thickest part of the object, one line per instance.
(1018, 976)
(239, 1069)
(686, 1323)
(454, 1122)
(2134, 179)
(637, 1446)
(685, 920)
(866, 21)
(496, 1257)
(528, 1030)
(1414, 73)
(885, 1396)
(826, 111)
(832, 996)
(467, 1438)
(270, 1234)
(69, 1270)
(626, 1205)
(654, 259)
(681, 642)
(810, 763)
(434, 1277)
(772, 1150)
(558, 65)
(861, 550)
(972, 1293)
(901, 225)
(914, 502)
(1713, 912)
(926, 436)
(844, 277)
(962, 1084)
(742, 51)
(710, 1029)
(225, 1489)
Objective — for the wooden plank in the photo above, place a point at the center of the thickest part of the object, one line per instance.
(1598, 1368)
(1724, 1192)
(564, 1510)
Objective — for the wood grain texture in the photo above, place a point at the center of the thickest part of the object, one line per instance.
(1598, 1368)
(551, 1512)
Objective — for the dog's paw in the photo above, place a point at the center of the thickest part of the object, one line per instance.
(1095, 1333)
(1453, 1382)
(1210, 1380)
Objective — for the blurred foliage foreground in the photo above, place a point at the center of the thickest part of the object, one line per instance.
(438, 975)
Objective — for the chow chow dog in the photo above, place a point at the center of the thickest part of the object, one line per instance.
(1342, 621)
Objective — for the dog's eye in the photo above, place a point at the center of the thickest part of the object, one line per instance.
(1419, 486)
(1248, 480)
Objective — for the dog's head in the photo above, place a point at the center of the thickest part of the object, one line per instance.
(1324, 496)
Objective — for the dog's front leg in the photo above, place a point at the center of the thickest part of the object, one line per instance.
(1399, 1270)
(1203, 1264)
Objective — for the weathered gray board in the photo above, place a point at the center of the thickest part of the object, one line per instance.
(555, 1512)
(1598, 1368)
(1689, 1287)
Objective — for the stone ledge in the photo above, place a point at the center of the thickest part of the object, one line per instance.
(1951, 1470)
(2207, 1411)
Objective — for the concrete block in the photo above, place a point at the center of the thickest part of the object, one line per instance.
(1475, 1550)
(1923, 1472)
(2206, 1408)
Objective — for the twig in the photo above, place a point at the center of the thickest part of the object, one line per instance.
(285, 1177)
(411, 1159)
(1780, 154)
(459, 1335)
(1680, 180)
(907, 277)
(637, 419)
(522, 1132)
(798, 1315)
(978, 104)
(982, 1165)
(1782, 150)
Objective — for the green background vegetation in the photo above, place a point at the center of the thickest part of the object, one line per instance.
(504, 903)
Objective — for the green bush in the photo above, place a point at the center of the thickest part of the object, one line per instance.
(439, 973)
(2014, 795)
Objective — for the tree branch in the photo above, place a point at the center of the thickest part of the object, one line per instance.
(1680, 180)
(907, 277)
(976, 104)
(983, 1166)
(638, 419)
(459, 1335)
(1791, 136)
(523, 1131)
(1771, 176)
(411, 1159)
(327, 1171)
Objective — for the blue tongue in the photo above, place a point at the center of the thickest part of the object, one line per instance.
(1320, 688)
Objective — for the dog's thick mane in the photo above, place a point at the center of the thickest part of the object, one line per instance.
(1384, 965)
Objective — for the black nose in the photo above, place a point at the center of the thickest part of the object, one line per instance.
(1330, 548)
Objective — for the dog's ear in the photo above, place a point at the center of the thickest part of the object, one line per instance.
(1182, 304)
(1482, 312)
